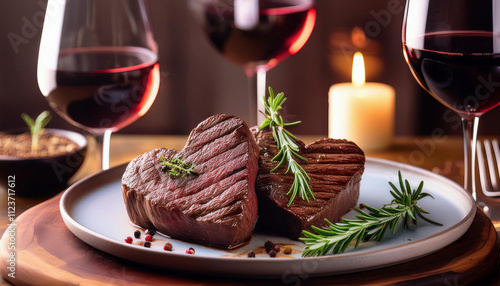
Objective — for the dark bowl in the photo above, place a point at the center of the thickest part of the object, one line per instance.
(40, 177)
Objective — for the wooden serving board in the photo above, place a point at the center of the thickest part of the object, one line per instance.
(47, 253)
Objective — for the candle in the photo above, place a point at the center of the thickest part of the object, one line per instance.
(362, 112)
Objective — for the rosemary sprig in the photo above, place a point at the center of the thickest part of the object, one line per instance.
(177, 167)
(288, 147)
(370, 225)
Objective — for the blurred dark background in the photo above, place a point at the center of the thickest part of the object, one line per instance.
(197, 82)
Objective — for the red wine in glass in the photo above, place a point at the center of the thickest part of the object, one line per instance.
(453, 50)
(280, 31)
(113, 96)
(97, 66)
(256, 35)
(465, 77)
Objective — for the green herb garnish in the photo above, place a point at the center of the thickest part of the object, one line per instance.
(177, 168)
(36, 126)
(370, 225)
(288, 147)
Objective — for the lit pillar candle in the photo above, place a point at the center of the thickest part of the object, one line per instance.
(362, 112)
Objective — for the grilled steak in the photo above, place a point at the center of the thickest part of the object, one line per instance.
(335, 168)
(217, 207)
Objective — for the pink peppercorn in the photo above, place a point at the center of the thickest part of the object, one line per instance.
(272, 253)
(190, 251)
(128, 239)
(148, 237)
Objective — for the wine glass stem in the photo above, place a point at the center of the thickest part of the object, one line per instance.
(257, 92)
(252, 103)
(261, 93)
(469, 125)
(102, 142)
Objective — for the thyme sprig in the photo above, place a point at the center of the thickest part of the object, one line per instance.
(370, 225)
(177, 168)
(287, 146)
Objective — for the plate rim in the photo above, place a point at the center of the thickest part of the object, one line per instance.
(91, 237)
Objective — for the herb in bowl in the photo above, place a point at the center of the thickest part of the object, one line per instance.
(36, 126)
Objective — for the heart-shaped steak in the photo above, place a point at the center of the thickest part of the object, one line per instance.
(216, 207)
(335, 168)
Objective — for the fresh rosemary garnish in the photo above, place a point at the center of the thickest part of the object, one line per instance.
(370, 225)
(287, 146)
(177, 167)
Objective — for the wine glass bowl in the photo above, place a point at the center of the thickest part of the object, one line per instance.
(462, 81)
(453, 51)
(277, 32)
(98, 66)
(256, 35)
(116, 95)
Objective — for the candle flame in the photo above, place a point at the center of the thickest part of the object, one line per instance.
(358, 69)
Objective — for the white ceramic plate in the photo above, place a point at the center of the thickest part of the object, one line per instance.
(94, 211)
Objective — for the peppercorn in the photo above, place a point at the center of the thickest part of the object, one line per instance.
(137, 234)
(168, 246)
(287, 250)
(277, 248)
(268, 245)
(128, 239)
(251, 254)
(190, 251)
(150, 231)
(272, 253)
(147, 244)
(148, 237)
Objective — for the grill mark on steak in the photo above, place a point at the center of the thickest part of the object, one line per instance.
(223, 198)
(211, 193)
(219, 206)
(204, 184)
(209, 176)
(335, 168)
(206, 134)
(199, 154)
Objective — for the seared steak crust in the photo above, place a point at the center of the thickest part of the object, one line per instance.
(216, 208)
(335, 167)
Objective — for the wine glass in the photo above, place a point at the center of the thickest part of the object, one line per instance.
(256, 35)
(97, 65)
(453, 50)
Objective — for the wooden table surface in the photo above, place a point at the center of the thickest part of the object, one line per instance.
(441, 154)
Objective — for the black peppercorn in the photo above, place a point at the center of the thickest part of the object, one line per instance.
(137, 234)
(147, 244)
(150, 231)
(268, 245)
(251, 254)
